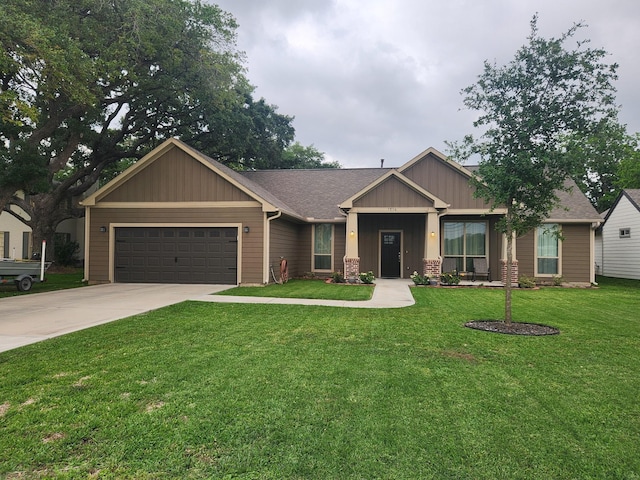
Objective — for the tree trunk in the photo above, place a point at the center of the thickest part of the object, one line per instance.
(507, 286)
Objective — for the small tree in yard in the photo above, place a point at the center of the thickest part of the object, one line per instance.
(527, 108)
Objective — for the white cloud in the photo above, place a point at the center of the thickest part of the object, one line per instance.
(375, 79)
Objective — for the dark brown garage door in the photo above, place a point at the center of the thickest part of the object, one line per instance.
(176, 255)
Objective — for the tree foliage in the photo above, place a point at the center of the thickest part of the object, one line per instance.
(88, 84)
(548, 92)
(299, 156)
(601, 158)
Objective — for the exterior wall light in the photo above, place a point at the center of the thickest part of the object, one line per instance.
(433, 234)
(245, 229)
(103, 229)
(352, 233)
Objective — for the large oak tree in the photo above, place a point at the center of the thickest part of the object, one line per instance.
(85, 84)
(527, 108)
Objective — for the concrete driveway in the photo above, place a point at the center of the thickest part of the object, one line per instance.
(31, 318)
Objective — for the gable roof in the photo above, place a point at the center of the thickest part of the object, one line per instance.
(269, 201)
(348, 203)
(632, 194)
(316, 193)
(574, 205)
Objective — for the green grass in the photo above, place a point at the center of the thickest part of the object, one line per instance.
(53, 281)
(315, 289)
(202, 390)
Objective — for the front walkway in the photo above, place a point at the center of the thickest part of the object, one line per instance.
(389, 293)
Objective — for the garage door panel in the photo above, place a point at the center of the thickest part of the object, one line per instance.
(176, 255)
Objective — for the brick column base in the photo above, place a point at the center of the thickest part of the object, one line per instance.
(351, 267)
(514, 272)
(431, 267)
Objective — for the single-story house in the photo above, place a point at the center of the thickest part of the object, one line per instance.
(179, 216)
(618, 239)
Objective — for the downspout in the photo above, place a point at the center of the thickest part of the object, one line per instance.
(592, 268)
(267, 245)
(87, 241)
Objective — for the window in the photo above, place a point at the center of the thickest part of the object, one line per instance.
(465, 241)
(625, 233)
(548, 249)
(322, 246)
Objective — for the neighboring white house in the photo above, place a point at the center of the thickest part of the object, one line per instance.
(16, 240)
(618, 241)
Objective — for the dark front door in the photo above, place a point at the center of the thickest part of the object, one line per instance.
(390, 254)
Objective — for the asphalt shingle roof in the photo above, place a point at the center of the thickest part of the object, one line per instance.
(315, 193)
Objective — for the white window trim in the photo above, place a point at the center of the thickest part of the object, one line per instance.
(625, 232)
(535, 254)
(313, 246)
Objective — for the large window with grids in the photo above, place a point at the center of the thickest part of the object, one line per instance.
(322, 247)
(548, 249)
(464, 241)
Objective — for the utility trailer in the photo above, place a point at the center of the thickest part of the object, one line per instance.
(23, 272)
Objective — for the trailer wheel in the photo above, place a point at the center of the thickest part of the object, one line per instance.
(24, 284)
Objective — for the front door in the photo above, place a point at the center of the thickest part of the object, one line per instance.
(390, 254)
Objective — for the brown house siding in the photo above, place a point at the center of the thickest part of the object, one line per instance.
(285, 242)
(252, 244)
(412, 227)
(176, 177)
(445, 182)
(393, 193)
(525, 253)
(576, 252)
(339, 247)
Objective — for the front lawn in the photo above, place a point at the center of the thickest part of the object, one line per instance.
(314, 289)
(53, 281)
(201, 390)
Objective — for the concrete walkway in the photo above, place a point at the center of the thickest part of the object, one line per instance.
(27, 319)
(389, 293)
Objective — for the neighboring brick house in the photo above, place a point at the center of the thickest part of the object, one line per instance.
(179, 216)
(618, 240)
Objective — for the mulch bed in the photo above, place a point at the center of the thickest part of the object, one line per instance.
(515, 328)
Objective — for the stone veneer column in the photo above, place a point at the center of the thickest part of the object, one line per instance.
(514, 272)
(351, 267)
(431, 267)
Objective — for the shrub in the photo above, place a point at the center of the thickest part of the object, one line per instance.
(65, 252)
(337, 277)
(557, 281)
(449, 279)
(419, 279)
(367, 277)
(526, 282)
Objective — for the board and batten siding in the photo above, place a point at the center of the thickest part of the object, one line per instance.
(445, 182)
(176, 177)
(393, 193)
(621, 256)
(252, 242)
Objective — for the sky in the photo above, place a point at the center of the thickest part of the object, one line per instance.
(381, 79)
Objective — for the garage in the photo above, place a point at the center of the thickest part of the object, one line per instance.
(176, 255)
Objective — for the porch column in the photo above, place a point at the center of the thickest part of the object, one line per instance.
(503, 262)
(431, 260)
(351, 258)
